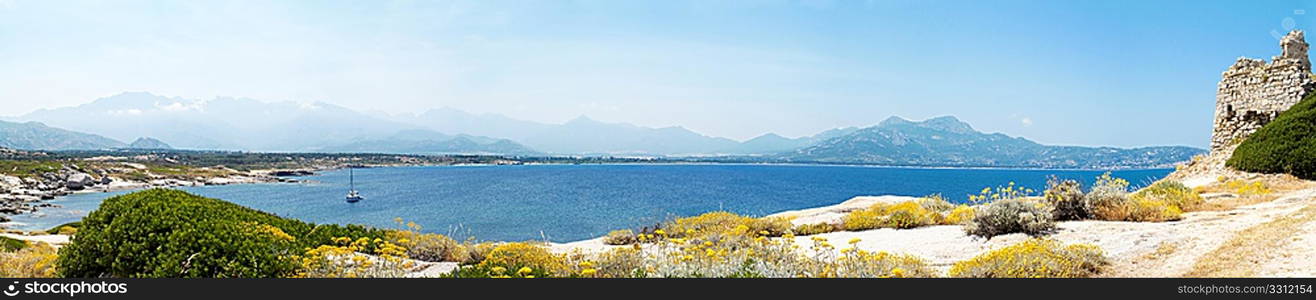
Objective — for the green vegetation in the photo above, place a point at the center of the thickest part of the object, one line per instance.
(28, 168)
(1066, 196)
(69, 228)
(8, 244)
(1011, 215)
(1285, 145)
(170, 233)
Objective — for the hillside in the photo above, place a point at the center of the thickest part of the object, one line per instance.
(430, 142)
(148, 143)
(1285, 145)
(38, 136)
(947, 141)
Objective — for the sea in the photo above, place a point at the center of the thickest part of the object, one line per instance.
(562, 203)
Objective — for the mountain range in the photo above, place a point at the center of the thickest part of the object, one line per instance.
(947, 141)
(158, 122)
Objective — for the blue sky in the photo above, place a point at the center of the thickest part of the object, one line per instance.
(1119, 73)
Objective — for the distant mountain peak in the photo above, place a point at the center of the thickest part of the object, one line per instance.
(581, 119)
(948, 123)
(894, 120)
(148, 143)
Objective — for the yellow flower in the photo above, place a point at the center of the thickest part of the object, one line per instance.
(854, 241)
(660, 232)
(588, 272)
(524, 270)
(497, 270)
(897, 272)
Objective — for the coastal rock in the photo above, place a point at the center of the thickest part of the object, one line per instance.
(79, 181)
(291, 173)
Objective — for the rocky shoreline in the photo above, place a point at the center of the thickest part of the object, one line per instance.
(21, 195)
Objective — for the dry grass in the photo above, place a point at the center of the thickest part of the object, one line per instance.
(1163, 250)
(1276, 184)
(1241, 254)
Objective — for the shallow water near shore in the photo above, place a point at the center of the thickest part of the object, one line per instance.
(574, 202)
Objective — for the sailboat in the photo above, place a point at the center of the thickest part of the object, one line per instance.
(352, 195)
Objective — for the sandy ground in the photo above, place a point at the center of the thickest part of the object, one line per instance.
(1167, 249)
(53, 239)
(1296, 259)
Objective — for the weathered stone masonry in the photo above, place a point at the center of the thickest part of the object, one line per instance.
(1253, 92)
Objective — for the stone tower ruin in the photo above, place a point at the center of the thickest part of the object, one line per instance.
(1253, 92)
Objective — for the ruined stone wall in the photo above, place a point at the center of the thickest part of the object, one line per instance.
(1253, 92)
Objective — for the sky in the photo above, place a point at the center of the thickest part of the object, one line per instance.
(1111, 73)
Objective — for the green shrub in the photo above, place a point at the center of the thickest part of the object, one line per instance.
(170, 233)
(1010, 216)
(1066, 196)
(1285, 145)
(65, 228)
(1034, 258)
(8, 244)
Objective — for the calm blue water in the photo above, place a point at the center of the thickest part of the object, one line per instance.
(574, 202)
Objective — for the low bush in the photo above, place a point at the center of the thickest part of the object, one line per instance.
(719, 226)
(900, 215)
(344, 259)
(476, 252)
(622, 262)
(66, 228)
(429, 247)
(771, 258)
(1108, 199)
(816, 228)
(1162, 201)
(1013, 215)
(959, 215)
(9, 244)
(856, 263)
(523, 260)
(1246, 188)
(1034, 258)
(1066, 196)
(620, 237)
(31, 261)
(1285, 145)
(170, 233)
(432, 247)
(936, 203)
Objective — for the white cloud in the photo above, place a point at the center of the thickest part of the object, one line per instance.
(1026, 121)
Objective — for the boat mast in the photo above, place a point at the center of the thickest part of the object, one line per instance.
(351, 182)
